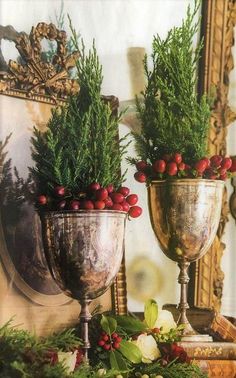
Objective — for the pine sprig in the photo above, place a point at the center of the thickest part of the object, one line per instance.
(81, 143)
(172, 117)
(173, 370)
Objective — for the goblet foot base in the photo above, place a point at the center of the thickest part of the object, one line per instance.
(197, 338)
(189, 333)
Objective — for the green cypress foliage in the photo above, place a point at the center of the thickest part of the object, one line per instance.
(81, 143)
(173, 118)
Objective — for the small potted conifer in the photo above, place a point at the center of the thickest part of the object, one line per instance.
(174, 118)
(184, 185)
(79, 194)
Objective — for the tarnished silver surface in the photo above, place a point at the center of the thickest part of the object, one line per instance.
(83, 249)
(185, 215)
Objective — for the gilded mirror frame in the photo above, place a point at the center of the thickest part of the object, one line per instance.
(217, 28)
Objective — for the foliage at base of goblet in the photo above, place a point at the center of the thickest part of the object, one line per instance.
(23, 355)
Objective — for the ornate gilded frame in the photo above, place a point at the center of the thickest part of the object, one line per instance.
(35, 79)
(218, 21)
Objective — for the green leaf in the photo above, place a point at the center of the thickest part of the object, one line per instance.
(117, 361)
(108, 324)
(150, 313)
(130, 324)
(130, 351)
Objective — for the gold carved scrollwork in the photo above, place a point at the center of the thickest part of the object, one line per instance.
(219, 19)
(35, 77)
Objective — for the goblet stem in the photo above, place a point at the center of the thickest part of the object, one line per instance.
(183, 280)
(85, 317)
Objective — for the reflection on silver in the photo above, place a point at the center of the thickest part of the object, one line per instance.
(185, 215)
(83, 249)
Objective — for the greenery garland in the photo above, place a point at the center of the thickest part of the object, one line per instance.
(23, 355)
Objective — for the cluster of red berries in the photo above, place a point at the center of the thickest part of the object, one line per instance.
(215, 168)
(95, 198)
(109, 342)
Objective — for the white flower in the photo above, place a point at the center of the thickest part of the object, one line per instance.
(148, 347)
(68, 359)
(101, 372)
(165, 320)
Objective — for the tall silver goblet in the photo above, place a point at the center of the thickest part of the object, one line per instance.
(83, 250)
(185, 215)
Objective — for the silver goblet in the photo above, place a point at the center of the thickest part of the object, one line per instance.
(84, 251)
(185, 215)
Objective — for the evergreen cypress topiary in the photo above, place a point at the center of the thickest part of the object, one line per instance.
(81, 143)
(173, 118)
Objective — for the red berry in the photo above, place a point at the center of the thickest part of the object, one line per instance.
(118, 339)
(123, 190)
(222, 171)
(101, 194)
(74, 205)
(107, 346)
(141, 165)
(216, 161)
(108, 202)
(159, 166)
(166, 157)
(210, 174)
(117, 197)
(125, 206)
(172, 168)
(110, 188)
(117, 206)
(114, 335)
(233, 166)
(181, 166)
(177, 158)
(135, 211)
(87, 205)
(132, 199)
(94, 186)
(79, 357)
(101, 343)
(226, 163)
(105, 337)
(61, 205)
(59, 191)
(201, 166)
(208, 162)
(42, 200)
(99, 205)
(187, 167)
(223, 176)
(116, 345)
(140, 177)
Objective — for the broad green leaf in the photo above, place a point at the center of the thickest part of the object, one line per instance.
(117, 361)
(150, 313)
(130, 351)
(130, 324)
(108, 324)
